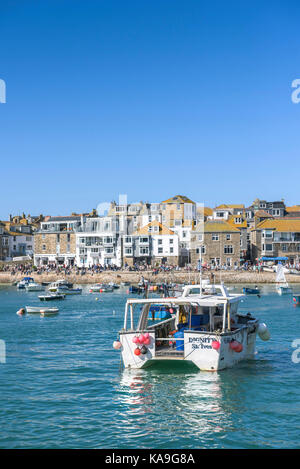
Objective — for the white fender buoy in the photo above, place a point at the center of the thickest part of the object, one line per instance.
(117, 345)
(263, 331)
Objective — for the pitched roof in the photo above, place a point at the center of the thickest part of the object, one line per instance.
(178, 199)
(294, 208)
(282, 225)
(230, 206)
(162, 230)
(262, 214)
(231, 221)
(214, 226)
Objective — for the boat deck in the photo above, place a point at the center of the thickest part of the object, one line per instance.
(168, 352)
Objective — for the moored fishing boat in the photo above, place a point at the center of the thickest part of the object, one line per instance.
(69, 291)
(33, 286)
(25, 281)
(53, 287)
(205, 329)
(52, 297)
(101, 288)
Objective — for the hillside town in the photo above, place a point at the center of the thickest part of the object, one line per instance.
(176, 233)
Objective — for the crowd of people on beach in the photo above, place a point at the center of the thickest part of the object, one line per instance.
(29, 268)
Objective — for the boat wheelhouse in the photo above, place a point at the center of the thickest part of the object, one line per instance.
(202, 327)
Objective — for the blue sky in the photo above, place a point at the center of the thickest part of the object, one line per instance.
(149, 99)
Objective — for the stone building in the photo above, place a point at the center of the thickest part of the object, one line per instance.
(4, 243)
(218, 243)
(277, 238)
(55, 241)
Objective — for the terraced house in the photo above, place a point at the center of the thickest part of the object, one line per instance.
(277, 238)
(55, 241)
(4, 246)
(153, 244)
(179, 214)
(218, 243)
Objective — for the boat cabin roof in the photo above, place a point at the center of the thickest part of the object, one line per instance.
(204, 299)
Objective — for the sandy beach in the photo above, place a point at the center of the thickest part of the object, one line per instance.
(228, 277)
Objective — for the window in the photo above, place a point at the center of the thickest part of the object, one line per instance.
(43, 236)
(268, 234)
(228, 237)
(160, 250)
(267, 247)
(200, 237)
(171, 241)
(228, 249)
(203, 250)
(68, 247)
(284, 247)
(178, 206)
(128, 251)
(159, 241)
(144, 251)
(215, 237)
(144, 240)
(68, 237)
(44, 247)
(128, 239)
(171, 250)
(57, 238)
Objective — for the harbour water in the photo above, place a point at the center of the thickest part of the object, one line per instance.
(63, 386)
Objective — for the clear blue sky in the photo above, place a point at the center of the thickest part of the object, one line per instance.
(149, 98)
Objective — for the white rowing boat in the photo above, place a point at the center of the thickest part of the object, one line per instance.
(41, 310)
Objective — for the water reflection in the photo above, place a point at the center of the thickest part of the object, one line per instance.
(180, 406)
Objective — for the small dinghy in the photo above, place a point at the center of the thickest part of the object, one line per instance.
(251, 291)
(49, 312)
(53, 296)
(39, 310)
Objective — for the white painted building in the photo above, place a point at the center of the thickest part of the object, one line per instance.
(97, 243)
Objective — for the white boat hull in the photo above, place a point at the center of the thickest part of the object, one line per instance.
(197, 349)
(38, 310)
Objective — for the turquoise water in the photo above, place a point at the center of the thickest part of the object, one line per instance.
(62, 385)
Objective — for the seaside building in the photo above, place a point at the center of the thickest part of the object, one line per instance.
(4, 243)
(98, 242)
(18, 236)
(55, 241)
(218, 243)
(274, 238)
(179, 214)
(153, 244)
